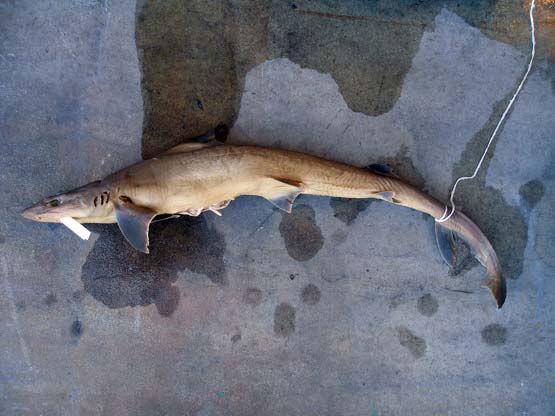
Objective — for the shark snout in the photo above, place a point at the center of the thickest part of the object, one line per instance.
(26, 213)
(32, 213)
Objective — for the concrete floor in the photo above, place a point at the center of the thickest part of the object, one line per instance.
(341, 308)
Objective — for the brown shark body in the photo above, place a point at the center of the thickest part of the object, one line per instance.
(192, 178)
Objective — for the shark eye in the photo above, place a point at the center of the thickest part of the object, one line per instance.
(53, 203)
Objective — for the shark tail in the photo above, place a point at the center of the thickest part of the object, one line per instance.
(469, 232)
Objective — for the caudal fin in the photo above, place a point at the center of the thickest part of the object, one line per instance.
(465, 228)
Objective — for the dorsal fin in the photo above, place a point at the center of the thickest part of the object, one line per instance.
(382, 169)
(213, 137)
(187, 147)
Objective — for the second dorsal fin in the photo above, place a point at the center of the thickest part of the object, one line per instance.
(382, 169)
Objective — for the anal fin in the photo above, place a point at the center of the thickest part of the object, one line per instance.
(388, 196)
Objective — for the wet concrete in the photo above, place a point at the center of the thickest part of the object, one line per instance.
(343, 306)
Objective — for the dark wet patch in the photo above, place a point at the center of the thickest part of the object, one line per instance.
(252, 296)
(303, 238)
(311, 294)
(189, 81)
(77, 296)
(347, 210)
(76, 328)
(532, 192)
(403, 167)
(427, 304)
(506, 22)
(119, 276)
(339, 236)
(374, 43)
(236, 338)
(503, 224)
(494, 335)
(284, 320)
(50, 299)
(415, 344)
(20, 306)
(395, 301)
(194, 55)
(464, 259)
(364, 36)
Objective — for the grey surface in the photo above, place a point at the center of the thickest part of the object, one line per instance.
(343, 307)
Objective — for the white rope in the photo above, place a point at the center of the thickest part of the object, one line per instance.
(445, 217)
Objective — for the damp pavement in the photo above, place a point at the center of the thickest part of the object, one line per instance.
(342, 307)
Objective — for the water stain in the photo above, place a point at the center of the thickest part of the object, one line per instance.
(374, 43)
(415, 344)
(77, 328)
(194, 55)
(252, 296)
(503, 224)
(284, 320)
(403, 167)
(189, 82)
(311, 294)
(303, 238)
(395, 301)
(119, 276)
(494, 335)
(77, 296)
(508, 22)
(236, 338)
(427, 304)
(339, 236)
(50, 299)
(364, 38)
(347, 210)
(532, 192)
(464, 259)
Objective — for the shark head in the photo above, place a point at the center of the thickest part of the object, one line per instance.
(91, 200)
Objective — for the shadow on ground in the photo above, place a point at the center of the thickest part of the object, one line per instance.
(118, 276)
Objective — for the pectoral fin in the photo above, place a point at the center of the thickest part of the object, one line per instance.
(134, 221)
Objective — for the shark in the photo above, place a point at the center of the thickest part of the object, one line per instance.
(201, 176)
